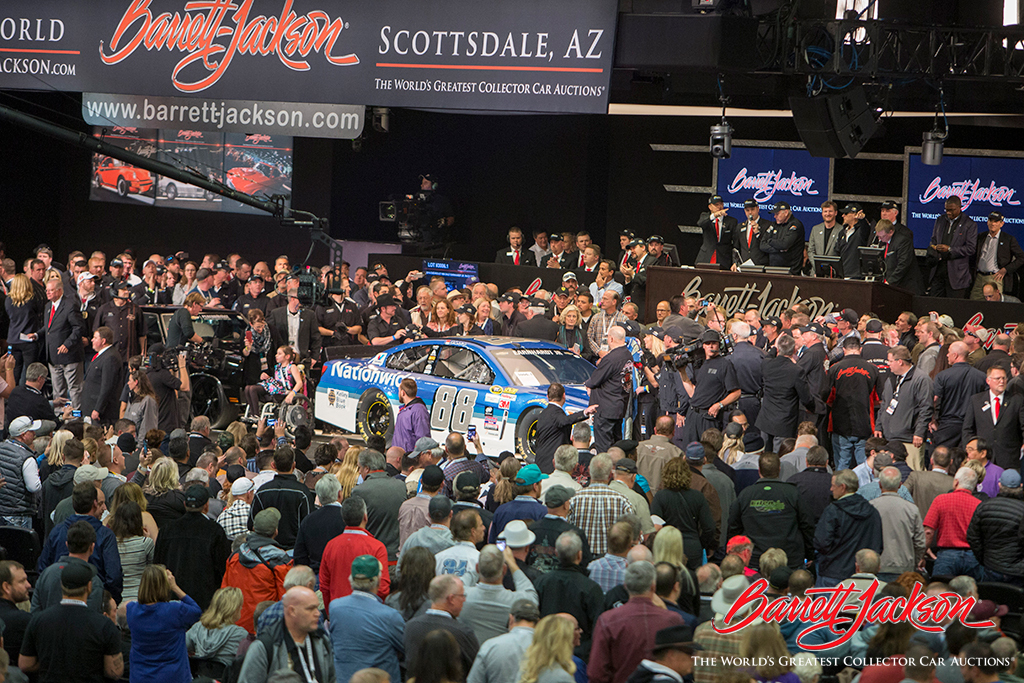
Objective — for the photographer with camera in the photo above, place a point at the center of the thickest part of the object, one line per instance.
(713, 387)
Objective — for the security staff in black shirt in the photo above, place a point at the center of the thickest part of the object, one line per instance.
(385, 328)
(813, 360)
(713, 387)
(874, 350)
(784, 240)
(253, 297)
(339, 319)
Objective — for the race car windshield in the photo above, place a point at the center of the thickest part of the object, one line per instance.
(538, 367)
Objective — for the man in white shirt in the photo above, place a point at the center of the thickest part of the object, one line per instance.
(605, 281)
(461, 559)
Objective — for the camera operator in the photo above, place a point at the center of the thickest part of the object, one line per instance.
(167, 383)
(672, 397)
(713, 387)
(385, 328)
(180, 330)
(338, 317)
(437, 209)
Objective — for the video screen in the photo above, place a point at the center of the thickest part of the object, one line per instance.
(456, 274)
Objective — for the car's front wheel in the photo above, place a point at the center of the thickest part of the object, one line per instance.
(122, 186)
(171, 191)
(526, 432)
(373, 415)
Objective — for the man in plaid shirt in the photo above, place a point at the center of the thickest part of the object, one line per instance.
(458, 461)
(597, 507)
(235, 519)
(708, 668)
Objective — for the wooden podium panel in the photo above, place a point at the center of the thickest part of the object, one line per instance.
(772, 294)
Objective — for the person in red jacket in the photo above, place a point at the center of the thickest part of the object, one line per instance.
(336, 564)
(259, 567)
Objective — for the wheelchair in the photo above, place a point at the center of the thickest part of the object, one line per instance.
(274, 409)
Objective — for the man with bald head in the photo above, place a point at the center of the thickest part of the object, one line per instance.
(953, 388)
(298, 643)
(447, 595)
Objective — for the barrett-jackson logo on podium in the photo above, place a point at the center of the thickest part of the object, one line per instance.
(528, 55)
(768, 299)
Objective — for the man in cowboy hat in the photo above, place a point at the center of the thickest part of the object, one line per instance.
(671, 659)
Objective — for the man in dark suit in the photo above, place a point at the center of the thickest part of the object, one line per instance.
(953, 243)
(747, 238)
(559, 257)
(554, 427)
(812, 360)
(306, 340)
(635, 274)
(103, 381)
(718, 228)
(849, 242)
(515, 255)
(609, 391)
(62, 330)
(785, 391)
(996, 417)
(537, 324)
(999, 258)
(901, 269)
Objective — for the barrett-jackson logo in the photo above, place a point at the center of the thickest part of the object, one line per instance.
(213, 32)
(738, 299)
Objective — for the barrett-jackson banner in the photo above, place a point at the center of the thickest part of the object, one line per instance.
(774, 175)
(528, 55)
(983, 184)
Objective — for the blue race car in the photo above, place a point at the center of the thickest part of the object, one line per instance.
(497, 384)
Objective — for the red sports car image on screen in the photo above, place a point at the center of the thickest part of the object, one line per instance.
(259, 178)
(121, 177)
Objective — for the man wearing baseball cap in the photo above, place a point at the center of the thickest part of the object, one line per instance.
(194, 547)
(526, 505)
(997, 551)
(656, 252)
(123, 318)
(718, 228)
(897, 240)
(748, 237)
(784, 240)
(18, 466)
(557, 257)
(851, 238)
(999, 258)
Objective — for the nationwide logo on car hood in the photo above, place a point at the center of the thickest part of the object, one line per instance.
(367, 374)
(213, 32)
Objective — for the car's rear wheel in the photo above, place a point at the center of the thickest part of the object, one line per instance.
(122, 186)
(373, 415)
(209, 399)
(526, 432)
(171, 191)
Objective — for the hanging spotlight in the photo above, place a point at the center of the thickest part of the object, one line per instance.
(932, 141)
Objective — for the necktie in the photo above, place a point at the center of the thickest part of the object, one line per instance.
(714, 254)
(516, 257)
(750, 235)
(581, 260)
(50, 321)
(95, 355)
(885, 255)
(997, 408)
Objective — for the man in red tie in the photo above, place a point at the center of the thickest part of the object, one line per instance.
(901, 269)
(63, 342)
(718, 228)
(582, 242)
(996, 417)
(515, 254)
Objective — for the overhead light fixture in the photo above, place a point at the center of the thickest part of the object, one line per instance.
(933, 141)
(721, 134)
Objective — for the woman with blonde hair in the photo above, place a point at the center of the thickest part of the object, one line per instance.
(25, 331)
(216, 636)
(570, 331)
(484, 317)
(347, 475)
(158, 625)
(55, 453)
(164, 497)
(504, 490)
(763, 643)
(668, 547)
(685, 509)
(92, 450)
(237, 430)
(549, 657)
(131, 491)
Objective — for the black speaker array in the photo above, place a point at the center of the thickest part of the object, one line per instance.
(834, 126)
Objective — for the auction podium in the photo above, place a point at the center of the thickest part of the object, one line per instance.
(772, 294)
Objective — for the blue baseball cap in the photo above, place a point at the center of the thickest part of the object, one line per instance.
(1010, 479)
(530, 475)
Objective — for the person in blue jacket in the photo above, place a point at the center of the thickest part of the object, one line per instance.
(158, 625)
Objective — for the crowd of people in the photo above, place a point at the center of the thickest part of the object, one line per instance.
(719, 449)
